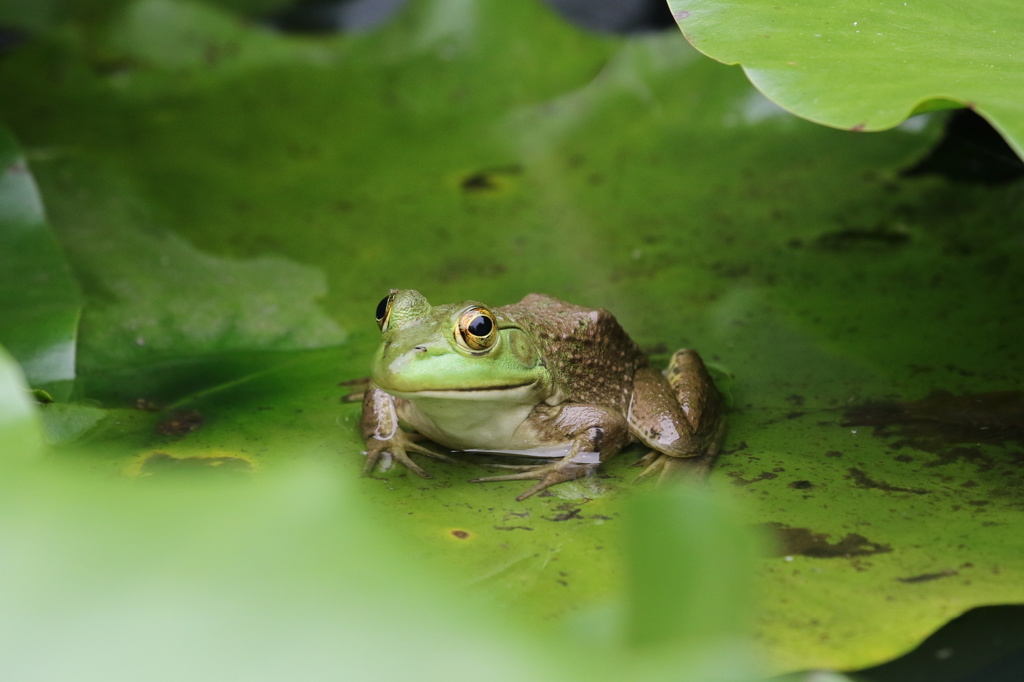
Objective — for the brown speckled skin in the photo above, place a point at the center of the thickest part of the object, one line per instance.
(594, 362)
(588, 353)
(603, 395)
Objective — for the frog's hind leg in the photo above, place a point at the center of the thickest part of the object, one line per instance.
(677, 415)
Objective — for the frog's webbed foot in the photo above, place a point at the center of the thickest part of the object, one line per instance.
(546, 475)
(398, 448)
(694, 468)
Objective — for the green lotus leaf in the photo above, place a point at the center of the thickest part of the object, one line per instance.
(866, 65)
(235, 202)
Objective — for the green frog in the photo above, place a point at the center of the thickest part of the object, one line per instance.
(540, 378)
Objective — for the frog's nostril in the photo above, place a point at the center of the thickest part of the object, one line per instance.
(421, 349)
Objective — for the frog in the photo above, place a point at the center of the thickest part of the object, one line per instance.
(544, 379)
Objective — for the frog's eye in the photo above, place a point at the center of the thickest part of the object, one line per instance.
(384, 311)
(477, 329)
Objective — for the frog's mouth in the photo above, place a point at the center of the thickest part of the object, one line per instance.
(499, 392)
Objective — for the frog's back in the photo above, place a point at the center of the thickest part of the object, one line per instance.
(586, 350)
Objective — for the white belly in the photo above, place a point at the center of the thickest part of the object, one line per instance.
(483, 425)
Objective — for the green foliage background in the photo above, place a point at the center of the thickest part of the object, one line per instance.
(223, 206)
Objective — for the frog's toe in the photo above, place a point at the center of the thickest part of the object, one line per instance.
(658, 464)
(653, 463)
(646, 461)
(407, 462)
(384, 454)
(376, 453)
(430, 452)
(546, 476)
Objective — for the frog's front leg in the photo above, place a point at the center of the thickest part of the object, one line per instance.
(679, 415)
(594, 434)
(383, 434)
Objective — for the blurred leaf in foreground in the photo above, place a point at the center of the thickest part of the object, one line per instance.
(21, 434)
(39, 298)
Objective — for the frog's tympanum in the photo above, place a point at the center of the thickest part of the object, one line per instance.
(540, 378)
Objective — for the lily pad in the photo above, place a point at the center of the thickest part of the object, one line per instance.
(263, 191)
(866, 65)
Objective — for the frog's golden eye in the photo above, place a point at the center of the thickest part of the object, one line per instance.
(384, 311)
(477, 329)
